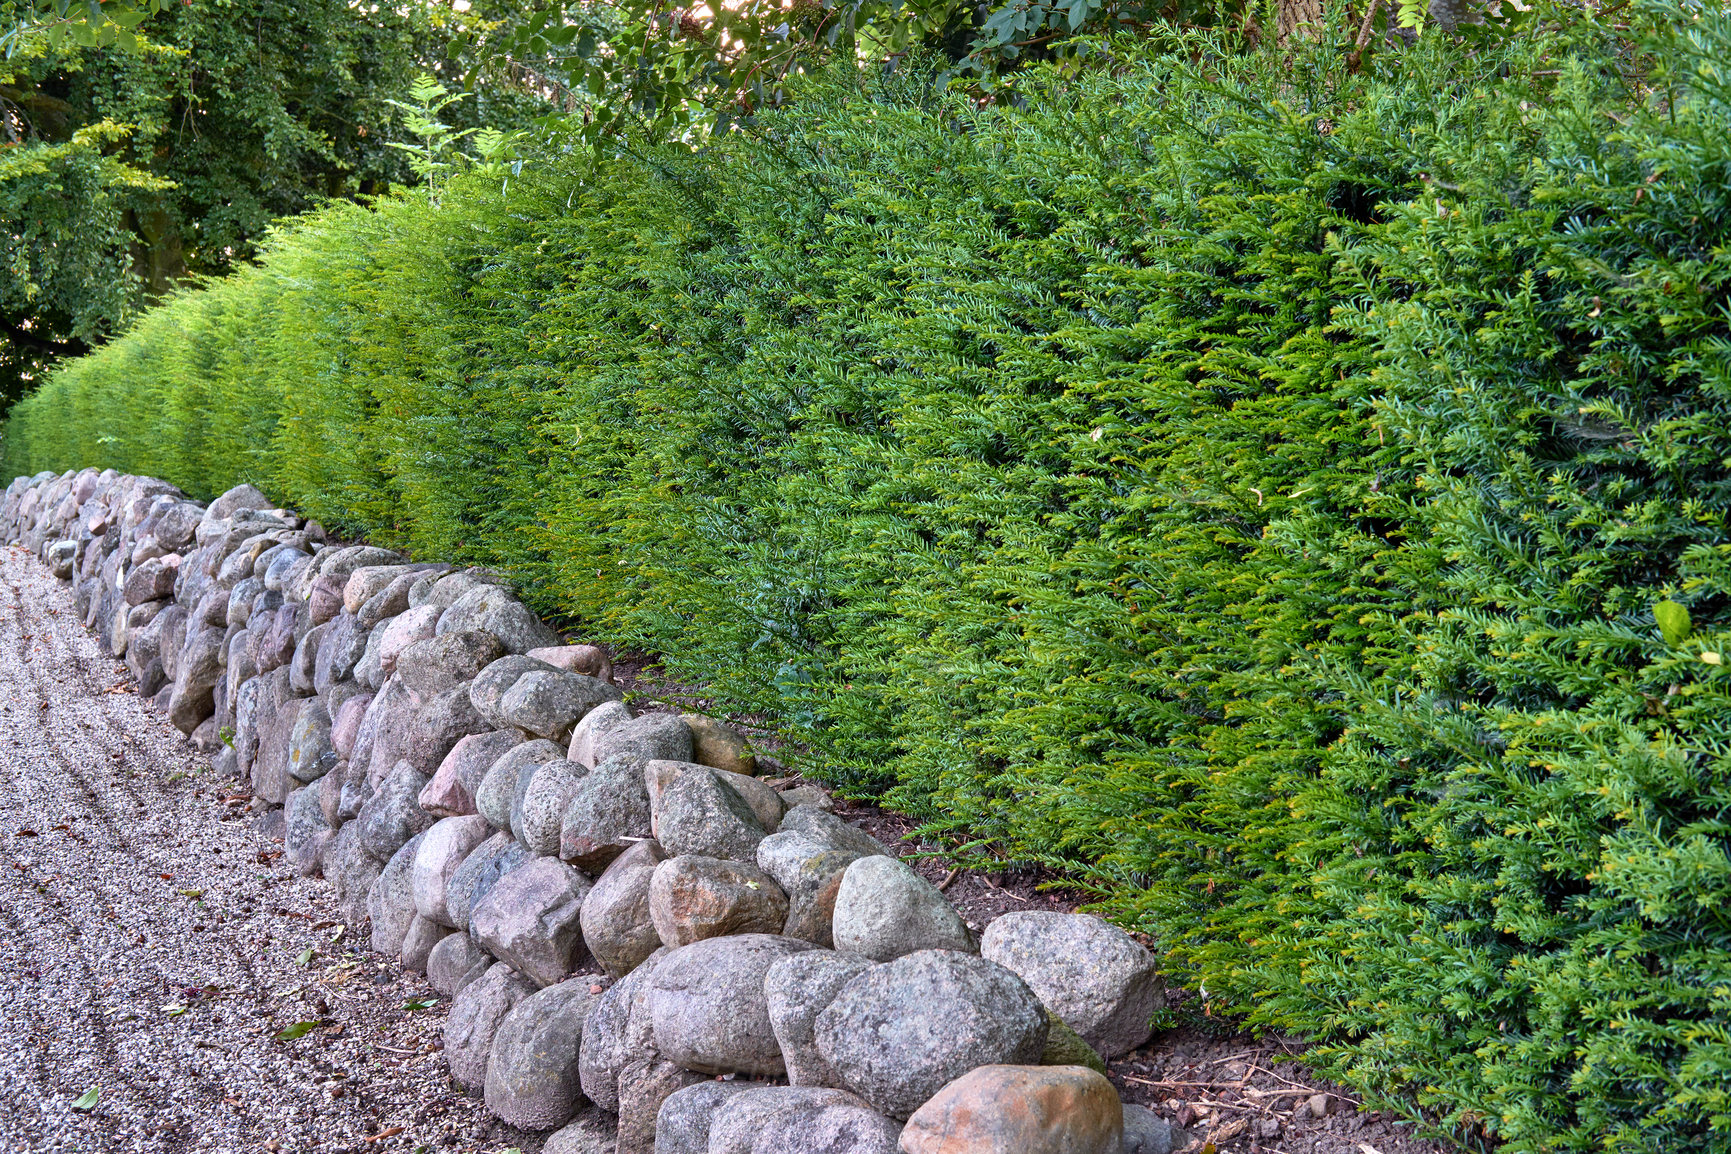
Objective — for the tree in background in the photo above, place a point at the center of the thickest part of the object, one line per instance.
(137, 154)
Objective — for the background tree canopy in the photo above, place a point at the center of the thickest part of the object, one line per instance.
(164, 149)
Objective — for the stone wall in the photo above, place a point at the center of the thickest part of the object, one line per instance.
(621, 912)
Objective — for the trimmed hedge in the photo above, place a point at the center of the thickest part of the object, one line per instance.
(1247, 491)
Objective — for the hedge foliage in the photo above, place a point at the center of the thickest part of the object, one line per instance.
(1249, 489)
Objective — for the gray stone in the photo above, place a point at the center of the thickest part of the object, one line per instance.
(197, 670)
(351, 870)
(815, 796)
(370, 669)
(590, 1132)
(283, 567)
(492, 609)
(898, 1033)
(151, 581)
(340, 564)
(499, 786)
(476, 1012)
(810, 872)
(455, 962)
(760, 796)
(305, 832)
(479, 873)
(429, 667)
(763, 1111)
(390, 601)
(884, 910)
(532, 1078)
(340, 649)
(620, 1031)
(529, 920)
(487, 690)
(607, 812)
(418, 944)
(310, 753)
(692, 898)
(548, 703)
(643, 1086)
(1093, 975)
(61, 556)
(276, 712)
(446, 590)
(799, 988)
(696, 814)
(616, 924)
(595, 725)
(274, 634)
(1146, 1133)
(683, 1123)
(590, 660)
(233, 501)
(708, 1008)
(820, 825)
(439, 725)
(539, 804)
(443, 848)
(391, 904)
(364, 582)
(831, 1130)
(382, 739)
(451, 792)
(303, 665)
(653, 737)
(390, 817)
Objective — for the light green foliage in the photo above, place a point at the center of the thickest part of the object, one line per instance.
(1255, 492)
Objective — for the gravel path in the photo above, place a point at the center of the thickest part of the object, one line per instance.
(152, 945)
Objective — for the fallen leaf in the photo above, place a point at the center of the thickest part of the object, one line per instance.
(391, 1132)
(306, 956)
(26, 833)
(419, 1004)
(88, 1099)
(190, 893)
(298, 1030)
(173, 1009)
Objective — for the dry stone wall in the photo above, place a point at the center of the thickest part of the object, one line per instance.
(490, 810)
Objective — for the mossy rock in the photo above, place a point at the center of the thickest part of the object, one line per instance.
(1065, 1047)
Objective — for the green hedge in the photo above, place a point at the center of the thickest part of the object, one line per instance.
(1247, 489)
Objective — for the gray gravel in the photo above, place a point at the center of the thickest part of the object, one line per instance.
(152, 941)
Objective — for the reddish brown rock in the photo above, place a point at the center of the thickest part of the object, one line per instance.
(589, 660)
(692, 898)
(1020, 1110)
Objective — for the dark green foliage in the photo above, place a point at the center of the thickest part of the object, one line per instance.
(1248, 493)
